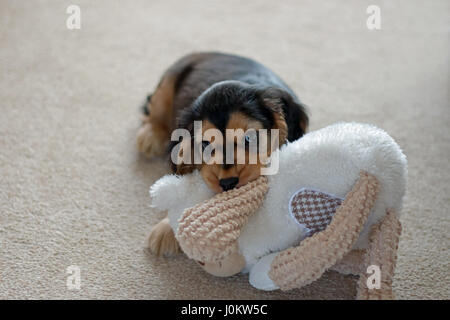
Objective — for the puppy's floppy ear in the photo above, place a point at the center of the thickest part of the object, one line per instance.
(185, 121)
(289, 113)
(181, 166)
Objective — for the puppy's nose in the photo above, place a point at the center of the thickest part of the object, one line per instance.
(228, 183)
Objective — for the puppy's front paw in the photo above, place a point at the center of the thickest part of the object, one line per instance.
(162, 240)
(151, 141)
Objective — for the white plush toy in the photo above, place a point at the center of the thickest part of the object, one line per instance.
(356, 169)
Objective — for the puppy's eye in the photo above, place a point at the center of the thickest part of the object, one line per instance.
(251, 139)
(205, 144)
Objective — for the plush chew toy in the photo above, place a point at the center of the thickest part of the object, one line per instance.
(334, 204)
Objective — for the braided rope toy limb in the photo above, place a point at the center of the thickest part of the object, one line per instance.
(351, 263)
(209, 231)
(382, 252)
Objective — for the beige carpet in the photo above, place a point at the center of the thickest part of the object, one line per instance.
(73, 190)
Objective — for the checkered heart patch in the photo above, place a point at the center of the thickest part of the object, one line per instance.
(313, 209)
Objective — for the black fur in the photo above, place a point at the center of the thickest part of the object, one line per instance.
(213, 85)
(218, 102)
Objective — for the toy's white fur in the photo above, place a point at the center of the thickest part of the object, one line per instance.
(329, 160)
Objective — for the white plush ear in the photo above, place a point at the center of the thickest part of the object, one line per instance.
(176, 193)
(163, 191)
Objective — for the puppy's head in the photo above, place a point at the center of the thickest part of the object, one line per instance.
(230, 139)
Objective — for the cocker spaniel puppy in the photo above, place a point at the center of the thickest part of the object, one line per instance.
(222, 106)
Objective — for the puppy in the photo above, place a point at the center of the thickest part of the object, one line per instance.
(220, 91)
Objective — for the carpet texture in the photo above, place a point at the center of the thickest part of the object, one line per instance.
(74, 191)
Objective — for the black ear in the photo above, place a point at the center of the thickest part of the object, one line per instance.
(182, 167)
(185, 121)
(296, 117)
(294, 112)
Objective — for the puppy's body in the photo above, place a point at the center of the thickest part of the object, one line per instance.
(201, 71)
(195, 73)
(223, 92)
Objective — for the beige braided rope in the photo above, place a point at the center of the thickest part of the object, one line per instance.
(299, 266)
(382, 251)
(209, 231)
(351, 263)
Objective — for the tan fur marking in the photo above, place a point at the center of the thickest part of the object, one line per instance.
(154, 134)
(280, 122)
(238, 120)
